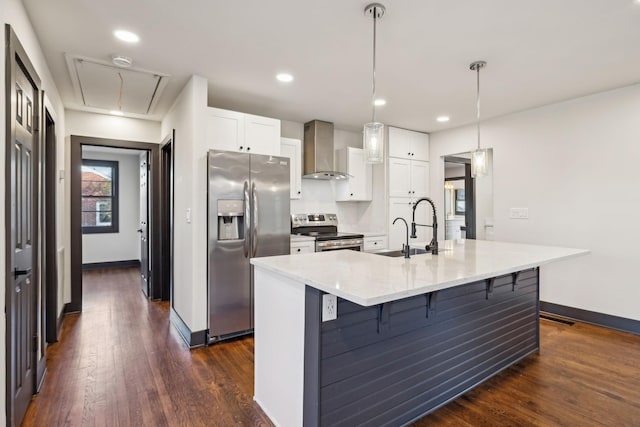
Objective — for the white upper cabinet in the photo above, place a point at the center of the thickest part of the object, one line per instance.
(292, 148)
(419, 179)
(224, 129)
(262, 135)
(408, 144)
(234, 131)
(408, 178)
(358, 186)
(399, 177)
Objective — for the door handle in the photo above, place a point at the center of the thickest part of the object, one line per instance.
(247, 218)
(17, 272)
(254, 192)
(139, 230)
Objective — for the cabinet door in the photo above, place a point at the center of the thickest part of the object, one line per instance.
(375, 243)
(399, 177)
(358, 186)
(397, 232)
(419, 179)
(225, 129)
(399, 142)
(292, 148)
(262, 135)
(420, 146)
(298, 248)
(360, 171)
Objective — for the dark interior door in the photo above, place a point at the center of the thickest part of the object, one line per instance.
(20, 282)
(144, 220)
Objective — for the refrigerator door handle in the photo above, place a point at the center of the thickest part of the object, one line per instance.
(254, 229)
(247, 218)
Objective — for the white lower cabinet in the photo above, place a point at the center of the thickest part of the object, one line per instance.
(302, 247)
(375, 243)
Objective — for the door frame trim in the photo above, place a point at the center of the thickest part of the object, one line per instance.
(166, 220)
(50, 303)
(76, 228)
(14, 52)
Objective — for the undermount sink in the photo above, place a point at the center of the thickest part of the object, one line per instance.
(398, 252)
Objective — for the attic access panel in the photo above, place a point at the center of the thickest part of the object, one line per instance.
(100, 84)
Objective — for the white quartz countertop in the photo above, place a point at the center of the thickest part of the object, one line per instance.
(300, 238)
(369, 279)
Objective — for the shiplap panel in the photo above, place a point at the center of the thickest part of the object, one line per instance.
(387, 365)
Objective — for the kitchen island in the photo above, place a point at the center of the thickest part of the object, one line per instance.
(410, 334)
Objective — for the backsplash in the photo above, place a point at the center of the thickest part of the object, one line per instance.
(319, 196)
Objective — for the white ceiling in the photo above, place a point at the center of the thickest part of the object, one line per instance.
(538, 52)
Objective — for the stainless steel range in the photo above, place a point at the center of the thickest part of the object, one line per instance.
(324, 227)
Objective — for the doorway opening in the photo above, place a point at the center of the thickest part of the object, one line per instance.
(96, 209)
(468, 201)
(114, 209)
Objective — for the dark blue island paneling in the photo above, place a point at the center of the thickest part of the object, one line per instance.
(390, 364)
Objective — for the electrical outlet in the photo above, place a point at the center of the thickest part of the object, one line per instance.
(329, 307)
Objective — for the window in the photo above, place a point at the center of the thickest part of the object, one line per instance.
(99, 196)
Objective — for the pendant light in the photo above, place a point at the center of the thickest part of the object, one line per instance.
(373, 133)
(479, 157)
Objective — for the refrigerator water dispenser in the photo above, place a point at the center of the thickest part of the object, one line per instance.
(230, 220)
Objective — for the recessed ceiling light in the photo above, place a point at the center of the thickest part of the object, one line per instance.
(379, 102)
(443, 119)
(285, 77)
(116, 113)
(126, 36)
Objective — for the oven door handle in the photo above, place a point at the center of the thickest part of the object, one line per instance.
(340, 243)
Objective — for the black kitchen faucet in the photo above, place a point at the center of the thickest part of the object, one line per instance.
(433, 246)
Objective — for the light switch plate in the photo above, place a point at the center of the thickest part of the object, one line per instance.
(188, 215)
(519, 213)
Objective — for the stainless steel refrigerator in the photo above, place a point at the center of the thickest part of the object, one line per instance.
(248, 216)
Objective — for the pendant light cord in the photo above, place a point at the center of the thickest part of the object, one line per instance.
(373, 95)
(478, 103)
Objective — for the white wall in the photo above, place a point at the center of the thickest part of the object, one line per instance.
(125, 244)
(13, 13)
(571, 164)
(82, 123)
(190, 243)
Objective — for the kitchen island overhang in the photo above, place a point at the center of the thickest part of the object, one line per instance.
(410, 336)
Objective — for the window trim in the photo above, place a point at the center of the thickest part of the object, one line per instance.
(115, 197)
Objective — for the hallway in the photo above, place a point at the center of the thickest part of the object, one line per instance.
(120, 362)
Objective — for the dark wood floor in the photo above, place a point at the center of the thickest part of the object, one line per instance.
(121, 363)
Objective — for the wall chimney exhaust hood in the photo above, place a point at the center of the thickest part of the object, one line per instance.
(318, 151)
